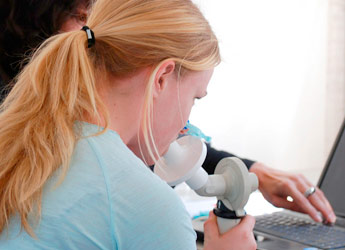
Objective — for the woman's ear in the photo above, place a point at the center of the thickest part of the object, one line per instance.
(165, 73)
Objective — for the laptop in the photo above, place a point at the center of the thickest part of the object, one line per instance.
(290, 230)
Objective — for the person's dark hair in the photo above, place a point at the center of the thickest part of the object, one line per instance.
(24, 25)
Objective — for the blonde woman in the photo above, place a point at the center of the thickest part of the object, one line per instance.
(28, 23)
(90, 108)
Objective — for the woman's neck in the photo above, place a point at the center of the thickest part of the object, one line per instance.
(123, 98)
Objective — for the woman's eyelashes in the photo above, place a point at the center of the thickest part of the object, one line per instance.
(196, 99)
(200, 97)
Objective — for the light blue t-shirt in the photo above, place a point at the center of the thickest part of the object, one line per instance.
(108, 200)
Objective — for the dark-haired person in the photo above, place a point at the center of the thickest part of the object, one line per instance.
(25, 24)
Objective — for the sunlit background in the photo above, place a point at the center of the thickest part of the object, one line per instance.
(279, 94)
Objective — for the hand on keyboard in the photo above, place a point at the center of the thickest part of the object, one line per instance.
(276, 186)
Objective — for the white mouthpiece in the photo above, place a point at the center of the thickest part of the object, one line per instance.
(182, 163)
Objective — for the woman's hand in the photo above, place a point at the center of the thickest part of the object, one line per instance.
(238, 238)
(277, 185)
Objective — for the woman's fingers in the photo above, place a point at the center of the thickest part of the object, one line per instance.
(240, 237)
(303, 203)
(211, 227)
(319, 201)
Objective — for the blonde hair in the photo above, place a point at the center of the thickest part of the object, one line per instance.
(58, 87)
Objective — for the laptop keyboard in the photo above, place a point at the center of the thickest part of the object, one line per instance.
(300, 230)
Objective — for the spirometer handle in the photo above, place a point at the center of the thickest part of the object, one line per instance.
(225, 224)
(226, 218)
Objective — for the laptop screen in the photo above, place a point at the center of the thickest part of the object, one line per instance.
(332, 182)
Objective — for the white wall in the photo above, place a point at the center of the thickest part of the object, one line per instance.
(335, 96)
(266, 99)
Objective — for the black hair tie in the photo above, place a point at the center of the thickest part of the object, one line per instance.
(90, 36)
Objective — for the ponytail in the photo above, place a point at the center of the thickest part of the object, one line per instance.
(37, 122)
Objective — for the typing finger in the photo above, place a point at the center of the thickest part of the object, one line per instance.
(304, 203)
(321, 204)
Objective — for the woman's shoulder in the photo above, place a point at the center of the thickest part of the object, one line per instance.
(145, 212)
